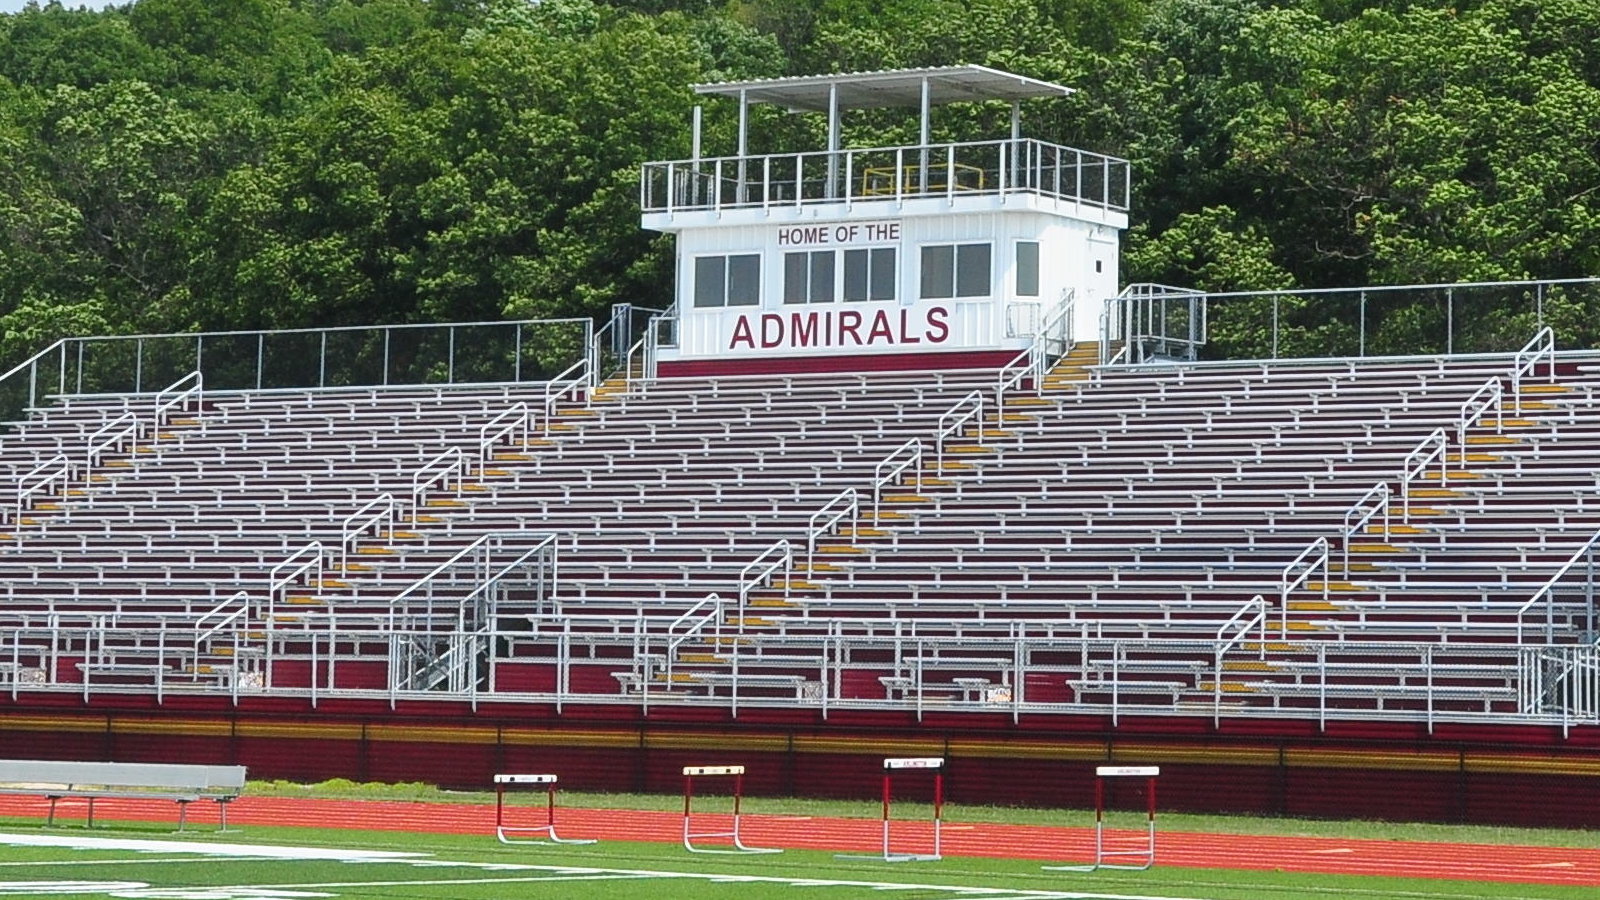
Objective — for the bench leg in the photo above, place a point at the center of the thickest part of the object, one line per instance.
(222, 806)
(91, 812)
(183, 810)
(50, 820)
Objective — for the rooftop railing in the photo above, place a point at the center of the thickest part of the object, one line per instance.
(902, 173)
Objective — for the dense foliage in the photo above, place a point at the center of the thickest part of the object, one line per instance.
(174, 164)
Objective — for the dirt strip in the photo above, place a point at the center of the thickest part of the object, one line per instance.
(1403, 859)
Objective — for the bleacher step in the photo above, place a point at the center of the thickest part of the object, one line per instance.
(905, 498)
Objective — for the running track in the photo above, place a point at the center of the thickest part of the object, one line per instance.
(1414, 859)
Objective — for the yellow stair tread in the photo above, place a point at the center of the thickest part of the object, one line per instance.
(1397, 528)
(1027, 401)
(1357, 567)
(496, 473)
(77, 492)
(47, 506)
(580, 411)
(303, 601)
(905, 498)
(1491, 439)
(1473, 457)
(882, 514)
(987, 433)
(1302, 626)
(771, 603)
(332, 583)
(1546, 389)
(1312, 606)
(968, 448)
(1228, 687)
(538, 442)
(1016, 417)
(930, 481)
(1527, 404)
(411, 535)
(512, 457)
(1519, 423)
(1270, 646)
(1433, 492)
(795, 584)
(474, 487)
(1334, 586)
(377, 551)
(119, 463)
(1374, 548)
(357, 567)
(867, 532)
(951, 465)
(820, 567)
(447, 503)
(750, 621)
(197, 421)
(1249, 665)
(841, 548)
(701, 658)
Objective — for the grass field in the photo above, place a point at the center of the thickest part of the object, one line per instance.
(267, 863)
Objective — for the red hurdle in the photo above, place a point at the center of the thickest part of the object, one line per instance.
(690, 773)
(934, 764)
(1144, 852)
(506, 832)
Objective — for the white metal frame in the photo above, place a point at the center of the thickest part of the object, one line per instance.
(507, 833)
(690, 773)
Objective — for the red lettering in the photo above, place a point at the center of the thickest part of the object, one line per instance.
(850, 323)
(741, 332)
(905, 337)
(771, 331)
(803, 328)
(938, 326)
(880, 328)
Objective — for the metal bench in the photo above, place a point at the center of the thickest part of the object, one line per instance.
(93, 781)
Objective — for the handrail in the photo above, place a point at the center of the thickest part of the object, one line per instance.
(354, 524)
(1489, 396)
(174, 395)
(956, 419)
(1024, 363)
(673, 643)
(1547, 592)
(122, 427)
(488, 435)
(203, 634)
(763, 569)
(1415, 466)
(912, 451)
(1226, 640)
(432, 472)
(56, 468)
(276, 582)
(481, 543)
(849, 505)
(547, 543)
(1289, 585)
(627, 362)
(1542, 345)
(555, 389)
(1378, 492)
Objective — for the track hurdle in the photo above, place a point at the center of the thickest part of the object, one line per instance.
(690, 773)
(934, 764)
(1142, 853)
(506, 833)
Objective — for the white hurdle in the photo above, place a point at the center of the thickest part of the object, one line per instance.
(506, 833)
(690, 773)
(934, 764)
(1143, 853)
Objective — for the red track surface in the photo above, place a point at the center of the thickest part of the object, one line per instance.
(1413, 859)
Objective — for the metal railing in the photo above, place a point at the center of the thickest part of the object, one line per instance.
(1526, 362)
(174, 396)
(890, 471)
(968, 411)
(120, 434)
(846, 507)
(897, 173)
(381, 514)
(56, 470)
(571, 384)
(1414, 469)
(230, 617)
(694, 622)
(1489, 397)
(309, 561)
(778, 558)
(515, 422)
(1311, 559)
(437, 471)
(1546, 594)
(1253, 615)
(1373, 504)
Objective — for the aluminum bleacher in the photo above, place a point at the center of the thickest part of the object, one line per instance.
(1389, 538)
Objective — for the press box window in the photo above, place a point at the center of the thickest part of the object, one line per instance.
(808, 277)
(869, 274)
(727, 281)
(955, 270)
(1027, 268)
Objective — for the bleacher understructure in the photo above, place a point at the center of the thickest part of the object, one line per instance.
(1395, 548)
